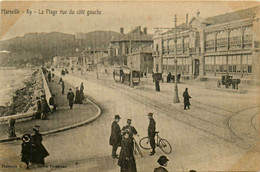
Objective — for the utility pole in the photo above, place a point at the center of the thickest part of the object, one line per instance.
(176, 97)
(97, 64)
(131, 70)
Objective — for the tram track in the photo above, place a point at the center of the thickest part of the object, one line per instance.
(168, 111)
(253, 119)
(243, 139)
(224, 133)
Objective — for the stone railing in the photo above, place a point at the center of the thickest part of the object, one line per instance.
(30, 115)
(46, 88)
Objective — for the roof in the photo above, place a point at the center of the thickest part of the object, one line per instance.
(182, 26)
(219, 19)
(135, 35)
(232, 16)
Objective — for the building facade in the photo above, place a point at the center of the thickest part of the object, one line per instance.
(141, 59)
(211, 47)
(126, 44)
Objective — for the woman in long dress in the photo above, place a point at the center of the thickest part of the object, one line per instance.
(26, 152)
(77, 97)
(126, 157)
(39, 150)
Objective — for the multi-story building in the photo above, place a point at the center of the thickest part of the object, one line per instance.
(125, 44)
(141, 59)
(211, 47)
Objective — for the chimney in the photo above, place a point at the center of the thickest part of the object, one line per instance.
(187, 18)
(122, 30)
(145, 30)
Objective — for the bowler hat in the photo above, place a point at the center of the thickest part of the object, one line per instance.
(150, 114)
(36, 127)
(129, 120)
(162, 160)
(117, 117)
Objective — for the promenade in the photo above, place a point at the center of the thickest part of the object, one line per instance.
(59, 120)
(204, 127)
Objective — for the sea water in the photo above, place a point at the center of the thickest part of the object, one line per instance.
(11, 79)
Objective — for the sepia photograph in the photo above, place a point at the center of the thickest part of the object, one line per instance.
(129, 86)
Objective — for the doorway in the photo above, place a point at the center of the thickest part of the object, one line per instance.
(196, 67)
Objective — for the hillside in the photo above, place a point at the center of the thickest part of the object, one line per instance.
(36, 48)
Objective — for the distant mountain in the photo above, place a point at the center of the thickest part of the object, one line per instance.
(96, 39)
(36, 48)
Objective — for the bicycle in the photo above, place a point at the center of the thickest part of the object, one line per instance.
(137, 148)
(160, 142)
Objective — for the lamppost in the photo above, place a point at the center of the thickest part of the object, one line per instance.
(97, 64)
(176, 97)
(131, 66)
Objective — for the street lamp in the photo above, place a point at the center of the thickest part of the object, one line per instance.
(176, 97)
(131, 66)
(97, 64)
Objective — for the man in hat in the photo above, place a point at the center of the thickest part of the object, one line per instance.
(62, 87)
(26, 153)
(186, 99)
(70, 97)
(45, 109)
(40, 152)
(52, 102)
(163, 163)
(115, 137)
(151, 132)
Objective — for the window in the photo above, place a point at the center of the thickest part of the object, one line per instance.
(209, 64)
(117, 51)
(235, 39)
(197, 39)
(210, 42)
(165, 47)
(222, 38)
(179, 45)
(247, 41)
(165, 63)
(221, 63)
(186, 44)
(247, 63)
(234, 64)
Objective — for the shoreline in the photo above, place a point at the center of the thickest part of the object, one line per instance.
(23, 97)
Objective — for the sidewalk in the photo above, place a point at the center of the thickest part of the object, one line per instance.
(63, 117)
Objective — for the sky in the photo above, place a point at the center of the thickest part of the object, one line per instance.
(113, 15)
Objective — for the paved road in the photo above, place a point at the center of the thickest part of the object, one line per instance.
(86, 148)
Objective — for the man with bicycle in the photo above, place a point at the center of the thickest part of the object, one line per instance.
(151, 132)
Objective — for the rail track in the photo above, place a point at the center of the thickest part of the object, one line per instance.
(223, 132)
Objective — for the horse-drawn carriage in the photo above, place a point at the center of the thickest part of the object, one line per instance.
(227, 81)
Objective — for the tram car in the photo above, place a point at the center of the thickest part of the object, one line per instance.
(123, 75)
(118, 75)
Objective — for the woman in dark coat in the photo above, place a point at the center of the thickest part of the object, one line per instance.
(186, 99)
(77, 97)
(26, 152)
(126, 157)
(40, 152)
(81, 92)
